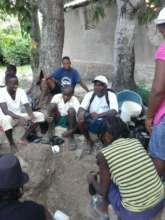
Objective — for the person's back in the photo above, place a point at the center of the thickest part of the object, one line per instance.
(11, 190)
(133, 172)
(15, 210)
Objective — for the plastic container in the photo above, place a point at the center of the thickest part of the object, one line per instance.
(130, 109)
(55, 149)
(59, 215)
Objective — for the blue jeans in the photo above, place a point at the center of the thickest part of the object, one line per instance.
(157, 141)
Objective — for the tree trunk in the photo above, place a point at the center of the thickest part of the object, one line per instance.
(35, 37)
(52, 36)
(124, 54)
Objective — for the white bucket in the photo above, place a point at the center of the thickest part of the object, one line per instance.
(130, 109)
(58, 215)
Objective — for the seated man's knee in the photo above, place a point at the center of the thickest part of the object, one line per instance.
(6, 122)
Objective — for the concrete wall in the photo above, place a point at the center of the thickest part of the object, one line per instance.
(91, 50)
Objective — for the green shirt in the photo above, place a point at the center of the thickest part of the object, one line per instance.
(133, 171)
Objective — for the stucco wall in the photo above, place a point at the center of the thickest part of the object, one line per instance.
(91, 50)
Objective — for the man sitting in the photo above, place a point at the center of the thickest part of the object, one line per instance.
(11, 100)
(96, 105)
(60, 77)
(62, 112)
(128, 179)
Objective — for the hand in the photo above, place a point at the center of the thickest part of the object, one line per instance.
(94, 115)
(148, 124)
(68, 133)
(91, 178)
(22, 121)
(49, 119)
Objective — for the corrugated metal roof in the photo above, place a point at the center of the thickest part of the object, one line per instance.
(76, 3)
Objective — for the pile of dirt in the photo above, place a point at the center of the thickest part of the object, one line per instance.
(58, 180)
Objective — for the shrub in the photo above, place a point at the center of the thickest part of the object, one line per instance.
(13, 47)
(143, 91)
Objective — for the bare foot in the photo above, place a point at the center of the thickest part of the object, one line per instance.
(68, 134)
(23, 142)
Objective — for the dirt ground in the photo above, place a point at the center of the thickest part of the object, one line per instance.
(68, 190)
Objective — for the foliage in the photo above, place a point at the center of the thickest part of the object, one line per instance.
(147, 12)
(19, 8)
(143, 91)
(13, 47)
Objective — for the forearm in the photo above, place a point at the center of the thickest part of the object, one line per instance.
(13, 115)
(29, 110)
(109, 113)
(155, 100)
(84, 86)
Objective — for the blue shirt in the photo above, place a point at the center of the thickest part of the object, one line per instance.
(66, 77)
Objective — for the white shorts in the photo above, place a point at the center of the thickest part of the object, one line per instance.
(7, 122)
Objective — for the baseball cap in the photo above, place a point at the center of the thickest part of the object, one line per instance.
(161, 17)
(101, 79)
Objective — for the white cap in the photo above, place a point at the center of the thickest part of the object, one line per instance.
(161, 17)
(101, 79)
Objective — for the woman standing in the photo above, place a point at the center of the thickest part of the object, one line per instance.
(155, 121)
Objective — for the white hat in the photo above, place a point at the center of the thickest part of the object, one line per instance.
(101, 79)
(161, 17)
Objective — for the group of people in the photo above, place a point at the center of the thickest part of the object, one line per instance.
(129, 176)
(64, 108)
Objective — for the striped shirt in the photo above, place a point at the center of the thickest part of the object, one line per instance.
(133, 171)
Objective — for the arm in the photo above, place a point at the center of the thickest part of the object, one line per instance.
(84, 86)
(5, 110)
(80, 114)
(102, 186)
(109, 113)
(157, 92)
(48, 216)
(29, 110)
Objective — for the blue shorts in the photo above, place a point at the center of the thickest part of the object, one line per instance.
(94, 125)
(115, 200)
(157, 141)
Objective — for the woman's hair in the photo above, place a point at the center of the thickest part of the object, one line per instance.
(115, 126)
(14, 194)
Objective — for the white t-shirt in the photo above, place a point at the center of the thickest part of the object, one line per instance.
(99, 104)
(62, 106)
(13, 105)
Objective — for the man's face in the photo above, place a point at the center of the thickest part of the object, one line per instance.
(99, 88)
(12, 85)
(66, 64)
(67, 93)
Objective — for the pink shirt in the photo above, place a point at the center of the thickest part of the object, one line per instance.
(160, 55)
